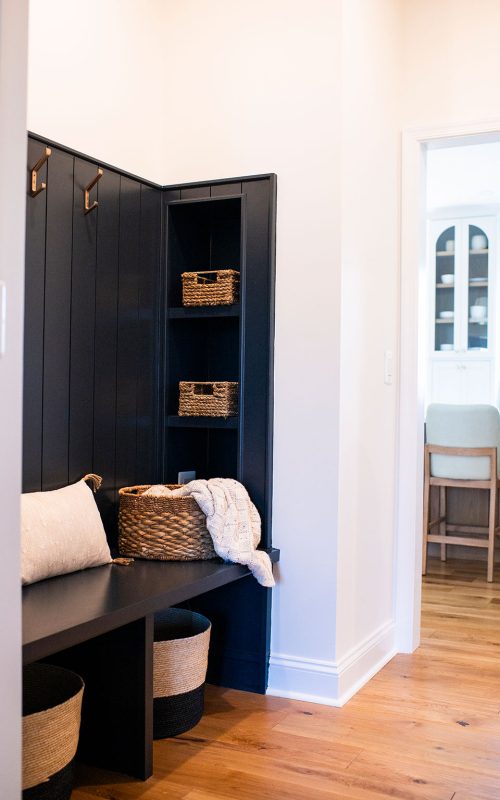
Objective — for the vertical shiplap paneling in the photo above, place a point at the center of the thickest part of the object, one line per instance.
(106, 321)
(57, 329)
(33, 326)
(128, 333)
(148, 331)
(81, 419)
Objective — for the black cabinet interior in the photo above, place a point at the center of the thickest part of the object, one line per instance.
(202, 235)
(107, 341)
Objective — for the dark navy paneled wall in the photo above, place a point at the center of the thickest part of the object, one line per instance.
(91, 328)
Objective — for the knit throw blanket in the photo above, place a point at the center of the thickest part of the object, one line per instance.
(232, 521)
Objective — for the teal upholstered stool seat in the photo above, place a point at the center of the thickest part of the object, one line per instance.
(462, 451)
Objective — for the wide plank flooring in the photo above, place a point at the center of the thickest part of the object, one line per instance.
(427, 726)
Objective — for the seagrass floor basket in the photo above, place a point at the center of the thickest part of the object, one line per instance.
(181, 645)
(52, 702)
(162, 528)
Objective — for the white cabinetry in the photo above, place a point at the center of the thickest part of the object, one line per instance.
(462, 303)
(461, 381)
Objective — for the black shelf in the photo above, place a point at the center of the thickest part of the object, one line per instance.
(63, 611)
(204, 311)
(225, 423)
(224, 343)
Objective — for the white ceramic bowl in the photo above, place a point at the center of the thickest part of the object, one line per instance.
(447, 347)
(450, 278)
(479, 242)
(478, 312)
(446, 314)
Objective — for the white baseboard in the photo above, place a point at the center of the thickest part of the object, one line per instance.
(331, 683)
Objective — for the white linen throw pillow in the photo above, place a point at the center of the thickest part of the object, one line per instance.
(61, 531)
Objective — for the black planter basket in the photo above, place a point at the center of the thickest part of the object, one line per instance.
(180, 665)
(52, 701)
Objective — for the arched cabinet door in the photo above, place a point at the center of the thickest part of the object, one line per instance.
(478, 290)
(444, 289)
(462, 334)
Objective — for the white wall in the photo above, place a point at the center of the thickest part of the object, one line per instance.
(95, 79)
(13, 54)
(451, 61)
(464, 176)
(370, 322)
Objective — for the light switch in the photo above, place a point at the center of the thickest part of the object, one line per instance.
(388, 367)
(3, 316)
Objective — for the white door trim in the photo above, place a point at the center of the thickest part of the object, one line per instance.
(412, 367)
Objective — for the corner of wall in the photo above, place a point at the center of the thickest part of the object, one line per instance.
(332, 683)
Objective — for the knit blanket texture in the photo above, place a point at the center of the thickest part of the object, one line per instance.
(232, 521)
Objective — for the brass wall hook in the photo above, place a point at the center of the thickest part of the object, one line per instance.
(34, 173)
(87, 190)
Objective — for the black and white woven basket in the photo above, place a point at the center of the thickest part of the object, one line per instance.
(180, 666)
(52, 702)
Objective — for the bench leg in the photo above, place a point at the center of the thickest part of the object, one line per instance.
(425, 526)
(442, 513)
(491, 532)
(117, 714)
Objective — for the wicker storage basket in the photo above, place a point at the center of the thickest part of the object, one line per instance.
(162, 528)
(208, 399)
(52, 702)
(180, 667)
(214, 287)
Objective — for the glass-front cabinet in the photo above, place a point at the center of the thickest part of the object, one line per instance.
(461, 268)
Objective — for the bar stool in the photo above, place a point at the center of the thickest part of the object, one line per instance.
(462, 451)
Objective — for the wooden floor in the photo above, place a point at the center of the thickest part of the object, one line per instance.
(427, 726)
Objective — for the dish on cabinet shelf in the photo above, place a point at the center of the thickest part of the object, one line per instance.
(446, 314)
(478, 280)
(478, 242)
(448, 279)
(447, 347)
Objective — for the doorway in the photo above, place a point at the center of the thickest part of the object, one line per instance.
(416, 334)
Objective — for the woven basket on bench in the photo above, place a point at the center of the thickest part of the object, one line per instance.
(180, 666)
(214, 287)
(162, 528)
(208, 398)
(52, 702)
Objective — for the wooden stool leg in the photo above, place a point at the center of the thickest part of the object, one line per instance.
(425, 531)
(442, 513)
(491, 532)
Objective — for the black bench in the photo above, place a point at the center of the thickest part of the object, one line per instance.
(100, 623)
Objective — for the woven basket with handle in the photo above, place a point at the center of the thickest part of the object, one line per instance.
(162, 528)
(215, 287)
(208, 398)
